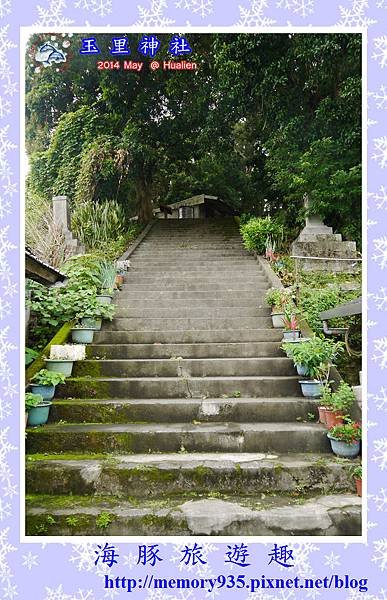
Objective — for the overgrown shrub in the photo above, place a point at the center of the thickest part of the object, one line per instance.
(257, 231)
(97, 223)
(43, 236)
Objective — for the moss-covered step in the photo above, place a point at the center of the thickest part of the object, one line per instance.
(210, 350)
(321, 516)
(164, 410)
(179, 367)
(179, 387)
(188, 336)
(153, 476)
(174, 437)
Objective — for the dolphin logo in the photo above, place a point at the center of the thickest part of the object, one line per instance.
(48, 54)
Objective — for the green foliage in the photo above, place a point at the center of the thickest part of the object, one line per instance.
(313, 301)
(341, 400)
(257, 231)
(104, 520)
(107, 275)
(349, 432)
(72, 521)
(96, 223)
(53, 307)
(32, 400)
(357, 472)
(83, 271)
(265, 119)
(274, 296)
(46, 377)
(30, 356)
(313, 352)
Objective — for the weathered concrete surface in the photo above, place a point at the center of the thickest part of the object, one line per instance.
(172, 437)
(184, 397)
(181, 410)
(209, 516)
(146, 475)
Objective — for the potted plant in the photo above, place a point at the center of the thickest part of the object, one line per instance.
(62, 357)
(345, 439)
(44, 383)
(314, 388)
(107, 276)
(95, 312)
(82, 335)
(338, 404)
(356, 473)
(122, 267)
(290, 323)
(276, 298)
(309, 354)
(37, 409)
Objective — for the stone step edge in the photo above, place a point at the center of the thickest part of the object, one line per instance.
(174, 401)
(213, 427)
(321, 515)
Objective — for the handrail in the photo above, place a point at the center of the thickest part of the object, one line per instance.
(327, 258)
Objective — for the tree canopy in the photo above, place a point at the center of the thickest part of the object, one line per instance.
(264, 119)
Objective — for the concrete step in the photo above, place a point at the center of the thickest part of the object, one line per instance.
(173, 367)
(210, 350)
(176, 286)
(164, 410)
(337, 515)
(195, 276)
(191, 254)
(205, 305)
(243, 263)
(196, 323)
(159, 475)
(194, 296)
(189, 336)
(174, 437)
(186, 312)
(179, 387)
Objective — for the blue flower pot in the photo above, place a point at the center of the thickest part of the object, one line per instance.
(311, 389)
(82, 336)
(302, 370)
(38, 415)
(90, 322)
(60, 366)
(343, 449)
(46, 391)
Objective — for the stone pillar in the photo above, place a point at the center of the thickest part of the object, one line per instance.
(318, 240)
(61, 215)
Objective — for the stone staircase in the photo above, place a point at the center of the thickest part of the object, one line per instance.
(186, 418)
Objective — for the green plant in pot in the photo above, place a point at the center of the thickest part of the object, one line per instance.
(338, 404)
(290, 323)
(276, 298)
(307, 355)
(357, 474)
(94, 312)
(44, 383)
(37, 409)
(107, 276)
(345, 439)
